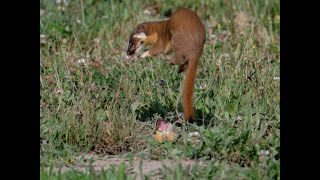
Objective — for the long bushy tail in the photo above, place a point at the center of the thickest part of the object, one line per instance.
(188, 87)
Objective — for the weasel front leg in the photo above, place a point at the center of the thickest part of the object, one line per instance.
(145, 54)
(155, 50)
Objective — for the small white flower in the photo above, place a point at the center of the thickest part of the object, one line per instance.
(194, 138)
(146, 12)
(225, 55)
(194, 134)
(43, 39)
(82, 62)
(264, 152)
(59, 91)
(97, 40)
(212, 37)
(78, 21)
(239, 118)
(64, 41)
(203, 86)
(225, 32)
(60, 8)
(65, 2)
(276, 78)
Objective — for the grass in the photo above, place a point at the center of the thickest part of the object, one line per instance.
(111, 173)
(90, 99)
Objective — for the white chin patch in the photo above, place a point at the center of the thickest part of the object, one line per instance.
(141, 35)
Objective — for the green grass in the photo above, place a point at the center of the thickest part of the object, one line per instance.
(118, 173)
(110, 106)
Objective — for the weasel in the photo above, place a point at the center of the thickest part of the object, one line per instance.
(185, 35)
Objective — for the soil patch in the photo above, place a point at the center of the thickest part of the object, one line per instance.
(149, 167)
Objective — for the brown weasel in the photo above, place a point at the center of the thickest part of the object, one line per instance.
(184, 33)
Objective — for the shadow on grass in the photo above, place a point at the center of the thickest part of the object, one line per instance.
(147, 114)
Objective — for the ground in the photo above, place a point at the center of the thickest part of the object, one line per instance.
(149, 167)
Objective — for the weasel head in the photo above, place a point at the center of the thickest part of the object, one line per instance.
(136, 43)
(137, 40)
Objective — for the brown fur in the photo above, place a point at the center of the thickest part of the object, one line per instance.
(184, 33)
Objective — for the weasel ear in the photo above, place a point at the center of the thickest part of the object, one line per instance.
(141, 35)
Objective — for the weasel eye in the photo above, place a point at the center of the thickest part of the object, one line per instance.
(141, 42)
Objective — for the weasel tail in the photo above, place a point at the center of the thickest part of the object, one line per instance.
(187, 92)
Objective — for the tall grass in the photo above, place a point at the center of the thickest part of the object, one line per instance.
(92, 100)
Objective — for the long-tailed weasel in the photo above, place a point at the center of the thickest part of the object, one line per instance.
(184, 33)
